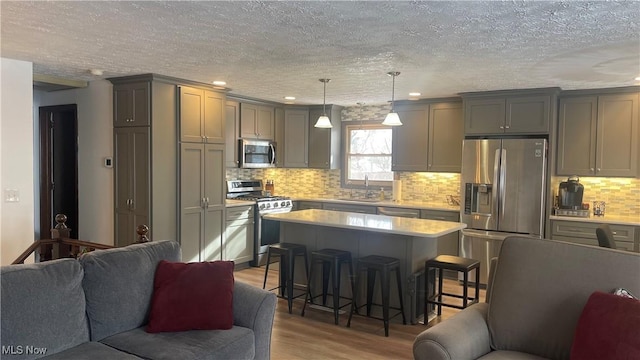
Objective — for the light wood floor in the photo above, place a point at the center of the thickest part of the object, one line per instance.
(315, 336)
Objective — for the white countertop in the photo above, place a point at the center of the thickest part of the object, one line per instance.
(426, 205)
(606, 219)
(233, 203)
(370, 222)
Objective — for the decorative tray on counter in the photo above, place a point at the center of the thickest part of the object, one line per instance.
(570, 212)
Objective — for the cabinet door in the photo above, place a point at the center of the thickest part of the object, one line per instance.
(484, 116)
(528, 115)
(191, 114)
(446, 132)
(319, 142)
(265, 128)
(279, 136)
(364, 209)
(617, 135)
(141, 180)
(131, 103)
(577, 124)
(238, 240)
(232, 132)
(296, 134)
(214, 175)
(248, 120)
(192, 215)
(447, 244)
(410, 141)
(214, 227)
(214, 119)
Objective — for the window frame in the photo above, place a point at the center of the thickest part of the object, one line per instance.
(359, 184)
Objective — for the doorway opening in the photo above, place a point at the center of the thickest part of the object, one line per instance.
(58, 167)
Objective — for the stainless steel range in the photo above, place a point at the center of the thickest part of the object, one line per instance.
(266, 232)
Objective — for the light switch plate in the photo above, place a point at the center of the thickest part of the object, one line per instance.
(11, 195)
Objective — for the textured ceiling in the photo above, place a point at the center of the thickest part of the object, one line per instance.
(269, 50)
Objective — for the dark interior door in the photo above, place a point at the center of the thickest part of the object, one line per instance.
(58, 167)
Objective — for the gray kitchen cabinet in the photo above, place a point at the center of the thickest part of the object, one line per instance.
(430, 138)
(131, 104)
(364, 209)
(304, 205)
(257, 121)
(201, 115)
(585, 233)
(279, 136)
(296, 137)
(131, 165)
(399, 212)
(232, 132)
(324, 144)
(238, 242)
(202, 201)
(448, 244)
(598, 135)
(519, 112)
(145, 167)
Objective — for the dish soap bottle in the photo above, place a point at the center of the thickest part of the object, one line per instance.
(381, 194)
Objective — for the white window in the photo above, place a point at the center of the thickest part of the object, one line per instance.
(368, 152)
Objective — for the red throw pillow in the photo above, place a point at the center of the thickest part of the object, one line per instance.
(193, 296)
(608, 328)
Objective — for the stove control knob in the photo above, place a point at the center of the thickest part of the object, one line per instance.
(284, 203)
(261, 206)
(275, 205)
(268, 206)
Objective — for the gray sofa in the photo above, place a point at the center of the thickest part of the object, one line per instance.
(97, 307)
(536, 293)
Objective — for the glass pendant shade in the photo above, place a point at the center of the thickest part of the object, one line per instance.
(392, 119)
(323, 122)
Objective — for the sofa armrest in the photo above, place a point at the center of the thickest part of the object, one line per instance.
(254, 308)
(463, 336)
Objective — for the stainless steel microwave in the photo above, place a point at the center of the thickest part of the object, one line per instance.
(257, 154)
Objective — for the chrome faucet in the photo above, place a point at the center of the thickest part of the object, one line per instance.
(368, 193)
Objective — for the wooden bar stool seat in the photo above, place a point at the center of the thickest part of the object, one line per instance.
(287, 253)
(456, 263)
(383, 265)
(331, 261)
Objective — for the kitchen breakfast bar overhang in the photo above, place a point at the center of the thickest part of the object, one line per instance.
(412, 241)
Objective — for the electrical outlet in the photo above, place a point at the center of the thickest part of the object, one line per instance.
(11, 195)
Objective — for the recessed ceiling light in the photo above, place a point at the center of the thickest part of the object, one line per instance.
(638, 78)
(96, 72)
(289, 97)
(414, 94)
(219, 83)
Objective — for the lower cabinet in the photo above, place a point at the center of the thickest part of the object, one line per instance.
(364, 209)
(238, 244)
(304, 205)
(585, 233)
(448, 244)
(202, 201)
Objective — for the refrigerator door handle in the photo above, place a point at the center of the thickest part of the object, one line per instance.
(503, 182)
(494, 191)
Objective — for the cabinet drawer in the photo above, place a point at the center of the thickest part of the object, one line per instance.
(239, 213)
(573, 229)
(620, 245)
(304, 205)
(440, 215)
(399, 212)
(364, 209)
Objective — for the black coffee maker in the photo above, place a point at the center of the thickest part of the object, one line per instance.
(570, 194)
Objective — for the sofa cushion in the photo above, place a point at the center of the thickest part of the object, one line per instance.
(510, 355)
(193, 296)
(541, 286)
(118, 284)
(235, 343)
(608, 328)
(92, 350)
(43, 306)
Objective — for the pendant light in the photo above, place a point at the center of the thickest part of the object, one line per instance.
(323, 120)
(392, 118)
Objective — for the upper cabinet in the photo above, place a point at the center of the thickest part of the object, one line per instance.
(131, 104)
(257, 121)
(598, 134)
(232, 131)
(324, 144)
(520, 112)
(430, 138)
(296, 137)
(201, 116)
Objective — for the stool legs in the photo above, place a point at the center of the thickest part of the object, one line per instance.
(266, 270)
(385, 283)
(371, 281)
(399, 281)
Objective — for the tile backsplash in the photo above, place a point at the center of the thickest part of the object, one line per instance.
(622, 195)
(431, 187)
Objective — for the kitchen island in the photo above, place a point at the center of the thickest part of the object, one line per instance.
(412, 241)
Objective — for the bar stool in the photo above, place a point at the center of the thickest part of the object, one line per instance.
(287, 253)
(332, 261)
(374, 264)
(459, 264)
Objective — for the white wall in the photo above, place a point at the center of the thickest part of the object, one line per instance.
(95, 142)
(16, 158)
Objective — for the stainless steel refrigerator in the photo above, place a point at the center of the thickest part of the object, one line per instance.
(503, 194)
